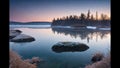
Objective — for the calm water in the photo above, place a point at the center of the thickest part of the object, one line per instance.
(98, 41)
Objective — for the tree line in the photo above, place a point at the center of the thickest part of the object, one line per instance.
(82, 20)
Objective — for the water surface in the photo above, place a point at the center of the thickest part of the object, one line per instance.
(97, 40)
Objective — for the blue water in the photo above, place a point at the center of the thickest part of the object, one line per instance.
(98, 41)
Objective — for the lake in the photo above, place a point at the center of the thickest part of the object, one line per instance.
(45, 38)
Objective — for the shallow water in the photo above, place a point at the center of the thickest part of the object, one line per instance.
(98, 41)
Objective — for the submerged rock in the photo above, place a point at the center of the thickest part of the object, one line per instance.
(22, 38)
(14, 33)
(69, 47)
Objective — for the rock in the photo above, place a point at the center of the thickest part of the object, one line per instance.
(97, 57)
(22, 38)
(18, 31)
(14, 33)
(34, 60)
(69, 47)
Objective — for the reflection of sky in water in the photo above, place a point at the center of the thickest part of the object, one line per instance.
(46, 38)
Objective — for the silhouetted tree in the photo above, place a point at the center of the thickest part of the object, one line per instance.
(92, 18)
(70, 17)
(75, 17)
(82, 20)
(96, 15)
(67, 18)
(88, 14)
(82, 17)
(104, 17)
(54, 20)
(57, 18)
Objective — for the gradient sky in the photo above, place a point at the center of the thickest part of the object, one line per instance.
(46, 10)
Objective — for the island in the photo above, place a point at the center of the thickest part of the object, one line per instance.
(82, 21)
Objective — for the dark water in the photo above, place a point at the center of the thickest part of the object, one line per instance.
(97, 40)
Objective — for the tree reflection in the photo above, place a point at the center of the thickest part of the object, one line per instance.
(87, 34)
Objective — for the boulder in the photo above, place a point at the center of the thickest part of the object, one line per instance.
(22, 38)
(69, 47)
(97, 57)
(34, 60)
(14, 33)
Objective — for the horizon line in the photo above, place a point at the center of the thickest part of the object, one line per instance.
(29, 21)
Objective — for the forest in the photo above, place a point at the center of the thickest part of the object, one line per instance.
(83, 20)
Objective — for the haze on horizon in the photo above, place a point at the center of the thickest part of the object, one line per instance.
(47, 10)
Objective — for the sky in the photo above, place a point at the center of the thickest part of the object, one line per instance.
(47, 10)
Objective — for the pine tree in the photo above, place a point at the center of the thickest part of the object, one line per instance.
(88, 14)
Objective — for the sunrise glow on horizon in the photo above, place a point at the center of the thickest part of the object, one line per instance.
(47, 10)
